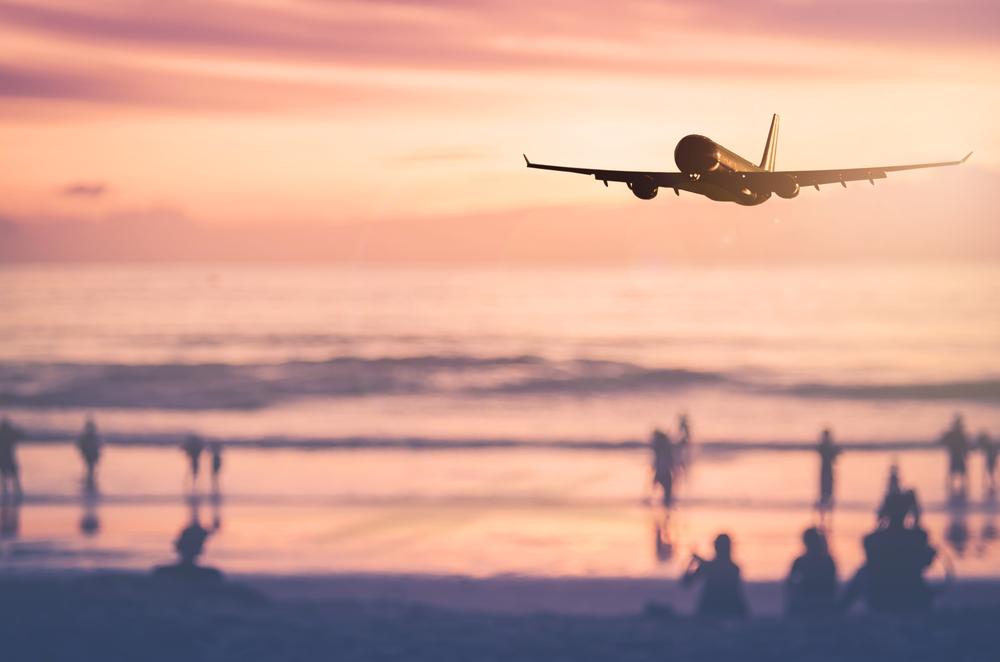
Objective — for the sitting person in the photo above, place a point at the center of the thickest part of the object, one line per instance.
(811, 585)
(896, 557)
(722, 590)
(189, 545)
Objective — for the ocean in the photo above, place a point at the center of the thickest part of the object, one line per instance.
(490, 420)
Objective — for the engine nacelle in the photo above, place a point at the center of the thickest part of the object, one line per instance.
(644, 189)
(786, 187)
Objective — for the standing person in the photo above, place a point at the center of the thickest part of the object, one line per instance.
(722, 589)
(89, 443)
(828, 452)
(9, 472)
(216, 450)
(956, 442)
(990, 451)
(192, 447)
(811, 586)
(663, 464)
(683, 441)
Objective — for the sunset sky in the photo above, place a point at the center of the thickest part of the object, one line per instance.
(243, 118)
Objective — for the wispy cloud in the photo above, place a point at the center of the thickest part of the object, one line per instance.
(85, 190)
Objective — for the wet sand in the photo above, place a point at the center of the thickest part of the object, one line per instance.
(474, 513)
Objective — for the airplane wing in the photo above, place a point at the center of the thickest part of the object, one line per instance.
(665, 179)
(817, 177)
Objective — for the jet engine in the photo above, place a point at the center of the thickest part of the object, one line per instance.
(786, 187)
(644, 189)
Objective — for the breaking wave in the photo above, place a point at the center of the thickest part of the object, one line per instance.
(210, 386)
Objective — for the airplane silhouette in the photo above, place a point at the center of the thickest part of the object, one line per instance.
(707, 168)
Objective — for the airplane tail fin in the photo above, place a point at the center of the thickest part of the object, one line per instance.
(771, 146)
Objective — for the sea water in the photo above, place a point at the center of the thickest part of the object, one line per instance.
(478, 420)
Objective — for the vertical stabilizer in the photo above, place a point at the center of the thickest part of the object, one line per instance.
(771, 146)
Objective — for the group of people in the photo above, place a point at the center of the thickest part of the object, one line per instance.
(90, 445)
(956, 442)
(958, 445)
(891, 579)
(670, 458)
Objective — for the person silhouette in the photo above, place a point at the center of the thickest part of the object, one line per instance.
(898, 503)
(811, 585)
(990, 450)
(216, 450)
(10, 476)
(192, 447)
(897, 554)
(683, 441)
(89, 444)
(828, 452)
(664, 464)
(956, 442)
(10, 516)
(722, 588)
(190, 545)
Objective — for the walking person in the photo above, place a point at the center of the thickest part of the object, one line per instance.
(956, 441)
(664, 464)
(216, 450)
(193, 447)
(89, 444)
(828, 452)
(990, 450)
(10, 476)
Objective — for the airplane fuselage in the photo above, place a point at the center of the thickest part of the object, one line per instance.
(715, 172)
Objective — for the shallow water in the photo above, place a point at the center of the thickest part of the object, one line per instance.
(479, 513)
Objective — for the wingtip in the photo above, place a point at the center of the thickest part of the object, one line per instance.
(966, 157)
(526, 161)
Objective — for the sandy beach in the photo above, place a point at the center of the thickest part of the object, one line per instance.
(128, 616)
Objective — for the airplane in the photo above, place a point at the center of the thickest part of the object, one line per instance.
(707, 168)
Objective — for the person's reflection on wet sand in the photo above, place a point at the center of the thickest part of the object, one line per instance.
(663, 538)
(90, 522)
(10, 516)
(957, 532)
(216, 501)
(988, 534)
